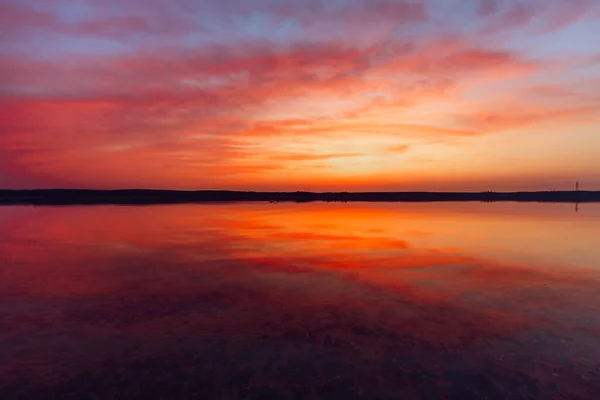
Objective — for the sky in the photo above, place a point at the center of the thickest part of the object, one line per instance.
(300, 94)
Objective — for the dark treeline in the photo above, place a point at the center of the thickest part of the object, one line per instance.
(81, 196)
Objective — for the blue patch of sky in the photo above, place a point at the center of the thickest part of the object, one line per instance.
(443, 18)
(577, 40)
(338, 5)
(74, 12)
(266, 26)
(258, 26)
(449, 12)
(58, 45)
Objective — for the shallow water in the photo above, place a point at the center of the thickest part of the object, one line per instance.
(390, 301)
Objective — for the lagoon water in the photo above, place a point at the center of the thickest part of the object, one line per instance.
(300, 301)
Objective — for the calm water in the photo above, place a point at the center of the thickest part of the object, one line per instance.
(315, 301)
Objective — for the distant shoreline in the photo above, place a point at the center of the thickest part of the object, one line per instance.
(142, 196)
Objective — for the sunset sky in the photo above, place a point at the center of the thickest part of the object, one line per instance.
(300, 94)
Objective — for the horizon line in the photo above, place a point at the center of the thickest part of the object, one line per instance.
(160, 196)
(297, 191)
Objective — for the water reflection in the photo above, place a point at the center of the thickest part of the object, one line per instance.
(303, 301)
